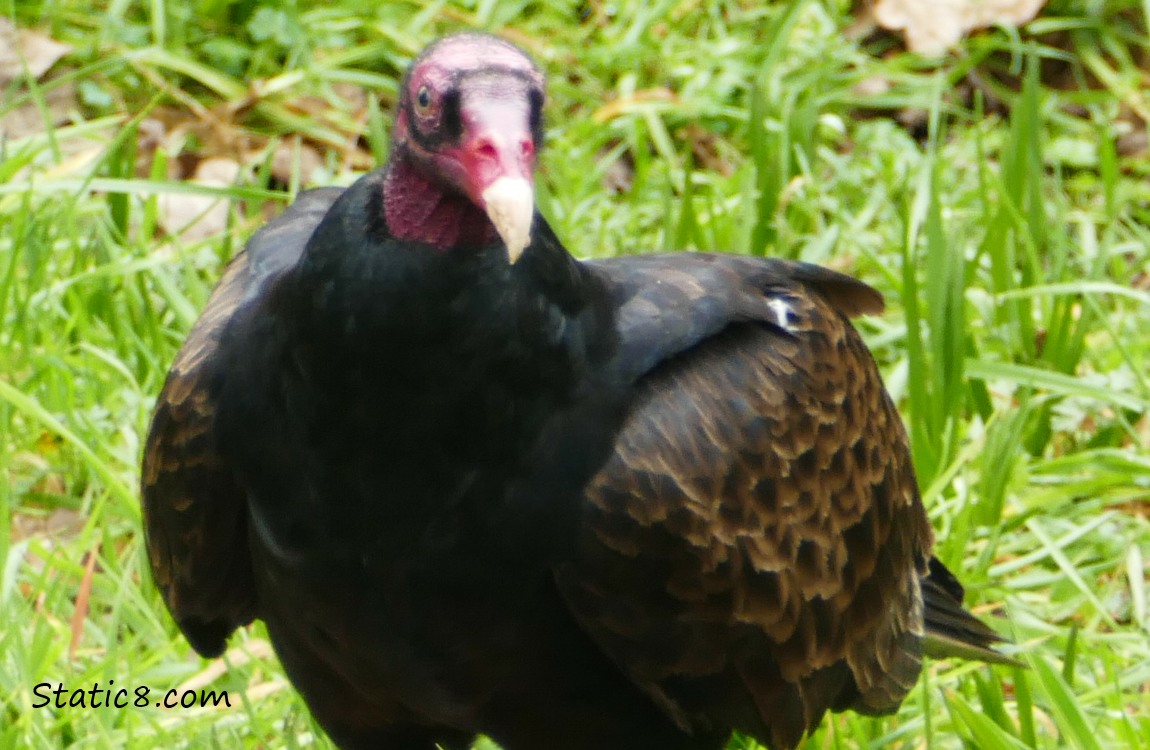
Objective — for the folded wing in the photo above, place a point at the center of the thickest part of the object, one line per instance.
(195, 513)
(751, 552)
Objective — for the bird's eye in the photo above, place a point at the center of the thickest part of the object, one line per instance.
(423, 98)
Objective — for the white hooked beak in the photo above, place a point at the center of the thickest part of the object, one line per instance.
(510, 204)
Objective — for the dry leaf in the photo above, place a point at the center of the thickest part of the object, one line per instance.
(21, 46)
(876, 85)
(17, 48)
(59, 524)
(196, 217)
(27, 120)
(355, 96)
(620, 174)
(285, 164)
(933, 26)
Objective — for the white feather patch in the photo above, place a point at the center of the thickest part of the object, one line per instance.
(782, 313)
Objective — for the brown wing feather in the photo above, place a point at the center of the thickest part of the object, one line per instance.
(195, 512)
(195, 516)
(751, 551)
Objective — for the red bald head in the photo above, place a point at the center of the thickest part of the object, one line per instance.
(469, 122)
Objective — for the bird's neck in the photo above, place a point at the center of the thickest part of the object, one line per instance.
(420, 210)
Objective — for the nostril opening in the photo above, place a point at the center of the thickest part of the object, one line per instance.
(487, 149)
(526, 148)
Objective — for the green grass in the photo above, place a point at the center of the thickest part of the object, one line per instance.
(1007, 225)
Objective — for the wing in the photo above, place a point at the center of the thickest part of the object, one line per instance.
(195, 513)
(669, 303)
(751, 552)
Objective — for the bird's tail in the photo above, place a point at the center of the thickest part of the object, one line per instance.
(951, 631)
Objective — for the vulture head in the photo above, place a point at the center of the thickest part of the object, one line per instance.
(468, 127)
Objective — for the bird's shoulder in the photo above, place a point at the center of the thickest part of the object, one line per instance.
(194, 513)
(667, 303)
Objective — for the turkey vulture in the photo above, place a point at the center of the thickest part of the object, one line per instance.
(474, 485)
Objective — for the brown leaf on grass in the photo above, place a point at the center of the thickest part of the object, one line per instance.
(57, 525)
(293, 158)
(933, 26)
(1138, 507)
(20, 47)
(28, 119)
(1133, 143)
(355, 96)
(620, 174)
(193, 218)
(707, 149)
(875, 85)
(1133, 134)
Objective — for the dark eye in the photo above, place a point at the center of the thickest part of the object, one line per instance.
(423, 98)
